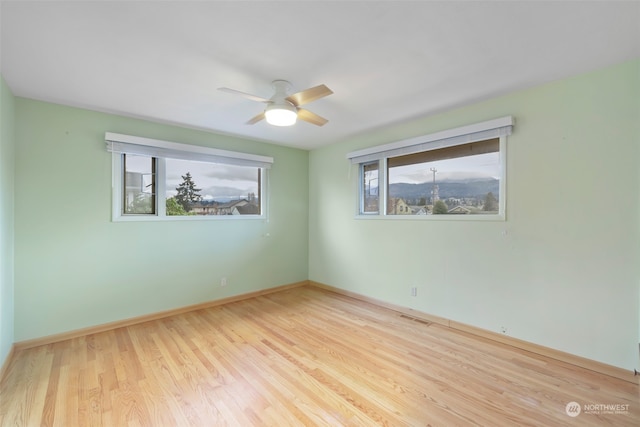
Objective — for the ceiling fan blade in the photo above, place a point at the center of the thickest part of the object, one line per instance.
(309, 95)
(310, 117)
(243, 94)
(256, 119)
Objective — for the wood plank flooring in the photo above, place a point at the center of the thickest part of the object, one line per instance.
(300, 357)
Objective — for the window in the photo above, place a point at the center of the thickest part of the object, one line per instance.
(465, 178)
(459, 173)
(370, 201)
(139, 185)
(165, 180)
(201, 188)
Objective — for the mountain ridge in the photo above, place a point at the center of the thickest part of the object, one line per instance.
(476, 188)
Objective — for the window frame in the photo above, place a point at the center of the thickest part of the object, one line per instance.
(498, 128)
(147, 147)
(124, 182)
(362, 196)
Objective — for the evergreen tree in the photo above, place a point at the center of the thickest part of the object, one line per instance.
(187, 192)
(490, 202)
(440, 207)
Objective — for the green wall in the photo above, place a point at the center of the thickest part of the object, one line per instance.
(561, 271)
(7, 117)
(75, 268)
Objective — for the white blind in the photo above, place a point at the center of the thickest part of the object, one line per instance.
(448, 138)
(118, 143)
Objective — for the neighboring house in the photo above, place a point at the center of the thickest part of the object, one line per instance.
(247, 209)
(459, 210)
(235, 207)
(398, 207)
(202, 209)
(423, 211)
(227, 208)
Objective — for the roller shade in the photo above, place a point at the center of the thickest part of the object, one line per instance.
(118, 143)
(449, 138)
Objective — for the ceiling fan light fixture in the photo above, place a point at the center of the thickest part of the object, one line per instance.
(281, 114)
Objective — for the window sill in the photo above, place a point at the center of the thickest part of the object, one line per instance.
(149, 218)
(488, 217)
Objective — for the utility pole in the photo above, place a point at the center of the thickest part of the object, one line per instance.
(434, 191)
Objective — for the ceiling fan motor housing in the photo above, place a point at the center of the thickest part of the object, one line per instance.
(282, 89)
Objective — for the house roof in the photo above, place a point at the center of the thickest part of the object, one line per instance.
(249, 209)
(386, 61)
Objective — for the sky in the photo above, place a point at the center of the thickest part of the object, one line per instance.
(215, 180)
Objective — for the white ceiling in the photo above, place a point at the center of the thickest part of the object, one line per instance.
(386, 61)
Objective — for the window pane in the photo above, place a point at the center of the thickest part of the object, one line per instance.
(139, 184)
(370, 199)
(202, 188)
(458, 180)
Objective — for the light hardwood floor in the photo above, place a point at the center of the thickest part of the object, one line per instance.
(299, 357)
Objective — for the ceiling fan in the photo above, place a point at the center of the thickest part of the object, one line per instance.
(282, 108)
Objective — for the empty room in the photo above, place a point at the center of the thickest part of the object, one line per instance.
(319, 213)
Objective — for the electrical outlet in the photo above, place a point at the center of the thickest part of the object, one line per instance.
(223, 281)
(503, 329)
(414, 291)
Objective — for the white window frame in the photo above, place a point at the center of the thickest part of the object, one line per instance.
(497, 128)
(119, 144)
(361, 196)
